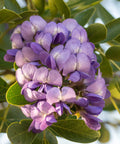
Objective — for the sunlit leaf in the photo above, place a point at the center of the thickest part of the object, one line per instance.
(14, 96)
(84, 16)
(52, 6)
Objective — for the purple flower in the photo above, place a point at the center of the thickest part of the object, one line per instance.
(91, 121)
(42, 115)
(54, 95)
(98, 87)
(52, 77)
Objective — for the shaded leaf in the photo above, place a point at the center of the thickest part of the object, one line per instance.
(24, 16)
(81, 5)
(14, 96)
(3, 64)
(3, 88)
(14, 114)
(7, 15)
(75, 130)
(12, 5)
(96, 32)
(84, 16)
(113, 53)
(62, 8)
(18, 134)
(53, 8)
(105, 67)
(105, 135)
(103, 14)
(1, 4)
(113, 29)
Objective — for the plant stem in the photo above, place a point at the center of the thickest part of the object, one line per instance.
(4, 118)
(102, 53)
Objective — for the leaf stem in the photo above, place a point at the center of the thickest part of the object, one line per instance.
(102, 53)
(4, 118)
(114, 104)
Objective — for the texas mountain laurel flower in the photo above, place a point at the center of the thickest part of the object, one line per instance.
(57, 70)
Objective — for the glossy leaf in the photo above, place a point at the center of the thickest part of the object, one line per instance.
(81, 5)
(1, 4)
(14, 96)
(105, 135)
(113, 53)
(113, 29)
(18, 134)
(3, 88)
(53, 8)
(84, 16)
(39, 4)
(62, 8)
(96, 32)
(3, 64)
(12, 5)
(75, 130)
(14, 114)
(105, 67)
(8, 15)
(103, 14)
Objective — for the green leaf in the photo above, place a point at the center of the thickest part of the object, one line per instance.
(84, 16)
(8, 15)
(39, 4)
(103, 14)
(3, 88)
(105, 135)
(105, 67)
(12, 5)
(96, 32)
(75, 130)
(81, 5)
(62, 8)
(53, 8)
(113, 29)
(113, 53)
(24, 16)
(14, 96)
(18, 134)
(1, 4)
(114, 88)
(3, 64)
(14, 114)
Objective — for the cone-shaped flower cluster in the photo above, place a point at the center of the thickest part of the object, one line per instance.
(57, 72)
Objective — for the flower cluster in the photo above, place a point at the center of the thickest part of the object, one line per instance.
(57, 72)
